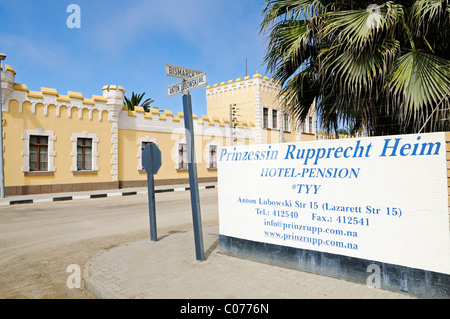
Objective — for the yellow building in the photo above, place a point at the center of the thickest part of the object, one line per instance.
(67, 142)
(256, 103)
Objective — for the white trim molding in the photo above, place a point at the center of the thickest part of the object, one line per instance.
(115, 150)
(50, 151)
(208, 154)
(73, 139)
(176, 154)
(258, 113)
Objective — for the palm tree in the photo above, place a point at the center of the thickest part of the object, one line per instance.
(382, 66)
(136, 100)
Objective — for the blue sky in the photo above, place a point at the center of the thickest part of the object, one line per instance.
(128, 43)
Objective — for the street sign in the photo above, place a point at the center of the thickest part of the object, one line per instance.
(187, 85)
(180, 72)
(151, 158)
(192, 79)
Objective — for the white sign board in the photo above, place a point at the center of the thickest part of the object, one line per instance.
(381, 198)
(187, 85)
(181, 72)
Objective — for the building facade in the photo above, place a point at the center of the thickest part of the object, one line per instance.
(67, 142)
(256, 102)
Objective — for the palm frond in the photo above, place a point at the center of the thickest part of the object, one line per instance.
(275, 10)
(422, 79)
(424, 12)
(290, 46)
(419, 82)
(361, 28)
(136, 100)
(384, 66)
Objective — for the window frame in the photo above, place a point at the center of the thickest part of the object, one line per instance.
(38, 145)
(141, 142)
(50, 152)
(286, 123)
(212, 158)
(144, 144)
(83, 153)
(265, 117)
(94, 153)
(182, 157)
(274, 119)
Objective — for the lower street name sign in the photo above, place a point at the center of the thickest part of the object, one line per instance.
(187, 85)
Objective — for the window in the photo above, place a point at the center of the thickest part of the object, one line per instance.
(287, 126)
(274, 119)
(182, 156)
(144, 144)
(265, 117)
(38, 153)
(308, 125)
(141, 144)
(84, 154)
(212, 162)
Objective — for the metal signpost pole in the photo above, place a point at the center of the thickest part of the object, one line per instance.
(193, 178)
(2, 171)
(151, 199)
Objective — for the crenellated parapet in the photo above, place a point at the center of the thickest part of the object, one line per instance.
(51, 95)
(242, 86)
(320, 135)
(249, 96)
(110, 107)
(114, 94)
(8, 76)
(166, 121)
(111, 101)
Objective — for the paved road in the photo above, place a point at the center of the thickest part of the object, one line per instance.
(39, 241)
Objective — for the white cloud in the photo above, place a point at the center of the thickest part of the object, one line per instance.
(211, 25)
(132, 21)
(50, 54)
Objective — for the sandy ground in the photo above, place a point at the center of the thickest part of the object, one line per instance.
(39, 241)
